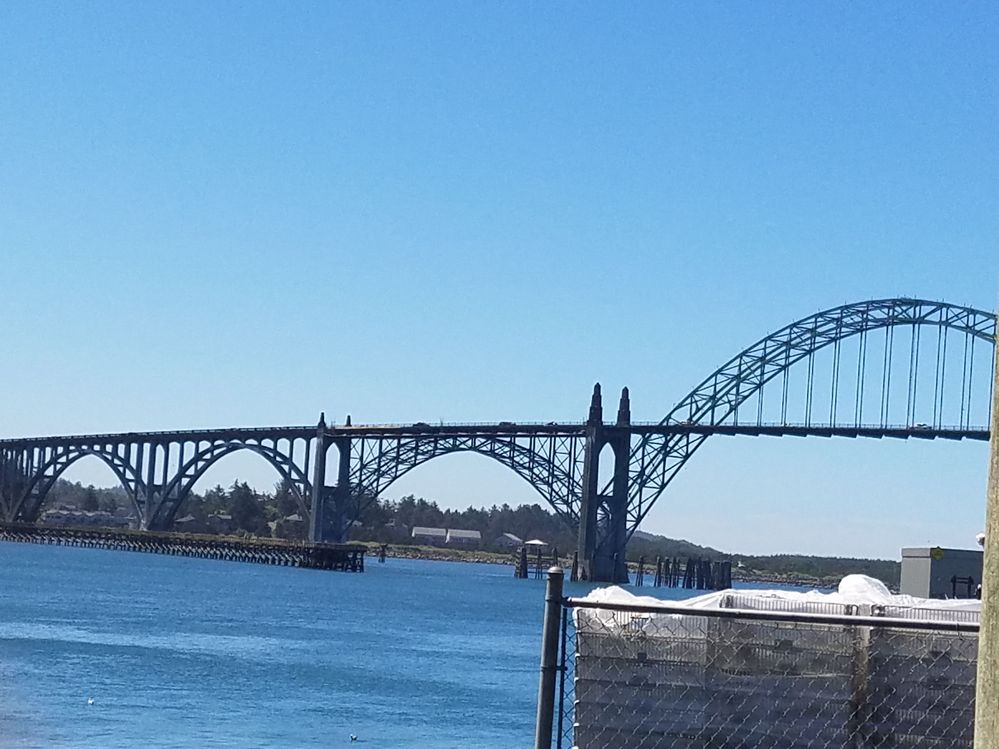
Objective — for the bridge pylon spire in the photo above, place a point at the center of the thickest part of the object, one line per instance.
(624, 409)
(596, 407)
(603, 518)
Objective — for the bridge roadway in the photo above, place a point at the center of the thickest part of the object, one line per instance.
(857, 365)
(510, 429)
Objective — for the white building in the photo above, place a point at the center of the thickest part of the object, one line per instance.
(457, 537)
(429, 535)
(83, 518)
(509, 541)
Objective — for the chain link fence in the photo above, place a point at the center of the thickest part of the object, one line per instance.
(832, 677)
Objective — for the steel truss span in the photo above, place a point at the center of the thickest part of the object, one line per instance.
(551, 463)
(902, 368)
(883, 368)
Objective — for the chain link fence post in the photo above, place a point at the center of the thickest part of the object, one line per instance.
(549, 659)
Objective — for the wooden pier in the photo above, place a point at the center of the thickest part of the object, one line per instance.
(534, 565)
(341, 557)
(696, 574)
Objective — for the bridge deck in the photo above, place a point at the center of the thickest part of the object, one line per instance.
(512, 429)
(802, 430)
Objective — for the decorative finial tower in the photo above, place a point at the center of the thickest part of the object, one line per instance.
(596, 407)
(624, 409)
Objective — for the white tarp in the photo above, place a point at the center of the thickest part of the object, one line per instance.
(687, 681)
(859, 590)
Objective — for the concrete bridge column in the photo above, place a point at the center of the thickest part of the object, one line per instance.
(12, 485)
(337, 515)
(330, 504)
(590, 500)
(319, 482)
(603, 519)
(152, 490)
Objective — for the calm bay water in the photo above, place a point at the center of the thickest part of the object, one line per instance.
(194, 653)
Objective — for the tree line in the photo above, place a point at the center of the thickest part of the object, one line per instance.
(269, 514)
(240, 509)
(392, 521)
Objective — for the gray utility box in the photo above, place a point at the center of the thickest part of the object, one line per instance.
(934, 572)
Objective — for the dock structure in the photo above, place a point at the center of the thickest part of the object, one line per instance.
(318, 556)
(690, 574)
(696, 574)
(535, 562)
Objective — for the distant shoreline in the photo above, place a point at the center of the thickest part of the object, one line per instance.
(438, 554)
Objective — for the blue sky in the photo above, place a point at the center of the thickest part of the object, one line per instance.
(238, 214)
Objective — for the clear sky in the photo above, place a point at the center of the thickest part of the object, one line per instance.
(218, 214)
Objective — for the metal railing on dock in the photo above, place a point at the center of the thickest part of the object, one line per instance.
(341, 557)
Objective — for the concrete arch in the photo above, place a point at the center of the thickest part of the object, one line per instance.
(27, 507)
(178, 489)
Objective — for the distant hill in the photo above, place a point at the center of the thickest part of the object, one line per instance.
(791, 567)
(651, 545)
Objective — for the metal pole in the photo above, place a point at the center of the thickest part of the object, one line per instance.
(987, 691)
(549, 659)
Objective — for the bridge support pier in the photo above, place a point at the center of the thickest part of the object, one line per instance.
(603, 519)
(319, 488)
(337, 516)
(330, 504)
(12, 484)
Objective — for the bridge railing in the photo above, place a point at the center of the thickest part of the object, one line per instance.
(669, 677)
(191, 435)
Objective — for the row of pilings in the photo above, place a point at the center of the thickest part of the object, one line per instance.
(341, 557)
(695, 574)
(671, 572)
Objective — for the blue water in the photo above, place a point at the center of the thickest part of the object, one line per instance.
(195, 653)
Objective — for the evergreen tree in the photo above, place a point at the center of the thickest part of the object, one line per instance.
(89, 501)
(245, 507)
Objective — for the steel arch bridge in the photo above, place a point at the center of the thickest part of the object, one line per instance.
(158, 470)
(902, 368)
(917, 406)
